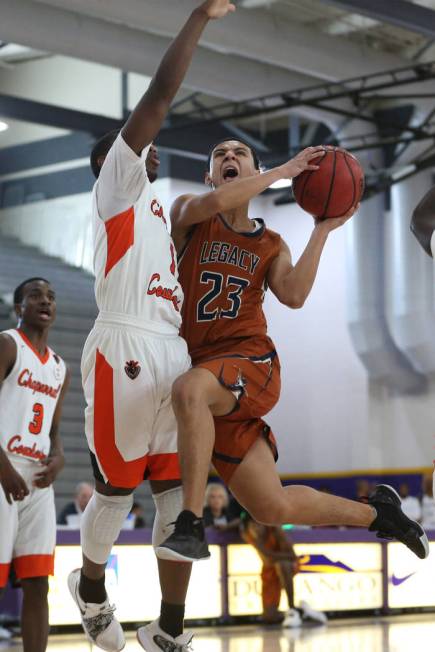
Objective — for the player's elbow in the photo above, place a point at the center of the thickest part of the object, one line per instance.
(294, 301)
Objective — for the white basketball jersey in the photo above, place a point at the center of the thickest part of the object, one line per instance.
(134, 256)
(28, 399)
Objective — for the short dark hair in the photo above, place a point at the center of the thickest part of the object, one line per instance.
(19, 290)
(101, 148)
(255, 156)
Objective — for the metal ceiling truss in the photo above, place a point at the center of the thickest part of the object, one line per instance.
(357, 89)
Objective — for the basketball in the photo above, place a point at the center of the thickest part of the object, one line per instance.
(334, 188)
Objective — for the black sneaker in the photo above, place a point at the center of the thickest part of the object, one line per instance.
(187, 542)
(391, 522)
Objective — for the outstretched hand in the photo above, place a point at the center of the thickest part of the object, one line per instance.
(217, 8)
(331, 223)
(302, 161)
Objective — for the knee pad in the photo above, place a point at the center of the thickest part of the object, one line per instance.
(101, 524)
(168, 505)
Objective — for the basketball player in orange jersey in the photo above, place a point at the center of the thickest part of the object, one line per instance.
(132, 357)
(226, 262)
(33, 382)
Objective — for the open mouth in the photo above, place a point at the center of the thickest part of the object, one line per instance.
(230, 173)
(45, 314)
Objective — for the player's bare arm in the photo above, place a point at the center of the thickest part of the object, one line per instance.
(147, 118)
(423, 221)
(189, 210)
(11, 481)
(55, 461)
(291, 284)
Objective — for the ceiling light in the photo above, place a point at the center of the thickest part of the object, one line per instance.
(3, 126)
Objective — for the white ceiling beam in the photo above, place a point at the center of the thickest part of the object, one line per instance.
(401, 13)
(71, 34)
(252, 34)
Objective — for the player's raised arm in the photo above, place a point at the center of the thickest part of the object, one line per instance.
(11, 481)
(423, 221)
(188, 210)
(147, 118)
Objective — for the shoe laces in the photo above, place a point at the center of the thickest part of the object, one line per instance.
(97, 624)
(186, 525)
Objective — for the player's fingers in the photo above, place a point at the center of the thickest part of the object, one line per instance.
(312, 167)
(8, 497)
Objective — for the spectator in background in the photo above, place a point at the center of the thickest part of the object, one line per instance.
(362, 488)
(427, 503)
(139, 516)
(410, 504)
(71, 513)
(216, 505)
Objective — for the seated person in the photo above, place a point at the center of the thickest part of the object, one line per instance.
(280, 565)
(70, 515)
(216, 505)
(427, 503)
(411, 505)
(139, 516)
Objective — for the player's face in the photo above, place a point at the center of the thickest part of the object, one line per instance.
(229, 161)
(217, 499)
(38, 308)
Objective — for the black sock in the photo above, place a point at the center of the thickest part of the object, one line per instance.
(92, 590)
(171, 618)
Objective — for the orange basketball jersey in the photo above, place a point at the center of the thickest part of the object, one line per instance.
(223, 275)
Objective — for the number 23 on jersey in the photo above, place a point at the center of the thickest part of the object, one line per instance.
(232, 287)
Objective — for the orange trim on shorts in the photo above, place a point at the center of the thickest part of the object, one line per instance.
(164, 466)
(119, 473)
(34, 566)
(120, 237)
(4, 574)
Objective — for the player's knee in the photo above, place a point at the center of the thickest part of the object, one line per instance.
(101, 524)
(186, 395)
(35, 588)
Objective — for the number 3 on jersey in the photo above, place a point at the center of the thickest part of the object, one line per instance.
(216, 281)
(35, 426)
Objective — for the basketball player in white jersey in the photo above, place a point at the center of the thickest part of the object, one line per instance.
(132, 357)
(33, 382)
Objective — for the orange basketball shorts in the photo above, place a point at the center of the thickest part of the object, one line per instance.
(256, 383)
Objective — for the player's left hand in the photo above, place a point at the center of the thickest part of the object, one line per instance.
(217, 8)
(52, 466)
(331, 223)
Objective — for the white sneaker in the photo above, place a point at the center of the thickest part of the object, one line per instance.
(292, 619)
(98, 621)
(5, 634)
(312, 614)
(154, 639)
